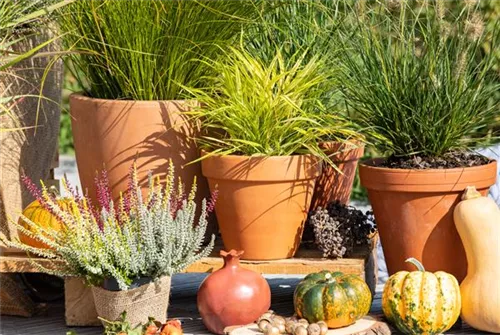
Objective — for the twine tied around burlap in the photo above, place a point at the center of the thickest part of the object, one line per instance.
(149, 300)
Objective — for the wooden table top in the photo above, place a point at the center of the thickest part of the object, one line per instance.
(182, 306)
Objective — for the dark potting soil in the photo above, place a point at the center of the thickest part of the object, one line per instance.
(456, 159)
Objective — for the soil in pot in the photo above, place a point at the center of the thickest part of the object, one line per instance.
(262, 202)
(413, 209)
(335, 185)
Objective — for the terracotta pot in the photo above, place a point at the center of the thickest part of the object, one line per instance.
(414, 213)
(112, 134)
(263, 201)
(333, 185)
(232, 295)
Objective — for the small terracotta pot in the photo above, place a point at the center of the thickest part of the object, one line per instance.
(263, 201)
(414, 213)
(333, 185)
(112, 134)
(232, 295)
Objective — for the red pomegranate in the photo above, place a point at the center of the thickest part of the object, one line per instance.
(232, 295)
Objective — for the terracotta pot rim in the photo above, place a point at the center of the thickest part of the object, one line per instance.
(246, 157)
(81, 97)
(429, 180)
(261, 168)
(364, 165)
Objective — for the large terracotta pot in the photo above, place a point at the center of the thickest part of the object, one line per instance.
(112, 134)
(414, 213)
(232, 295)
(263, 201)
(336, 184)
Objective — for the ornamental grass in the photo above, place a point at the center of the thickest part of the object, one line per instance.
(417, 75)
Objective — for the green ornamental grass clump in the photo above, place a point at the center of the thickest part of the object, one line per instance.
(417, 76)
(258, 108)
(152, 236)
(145, 50)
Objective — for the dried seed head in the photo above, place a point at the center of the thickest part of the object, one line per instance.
(361, 8)
(461, 65)
(394, 5)
(440, 9)
(470, 3)
(474, 27)
(445, 30)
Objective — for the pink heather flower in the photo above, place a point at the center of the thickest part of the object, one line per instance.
(103, 190)
(212, 201)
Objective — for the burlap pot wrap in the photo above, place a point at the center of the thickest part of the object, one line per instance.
(139, 303)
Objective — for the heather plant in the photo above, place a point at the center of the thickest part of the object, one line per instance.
(416, 75)
(153, 236)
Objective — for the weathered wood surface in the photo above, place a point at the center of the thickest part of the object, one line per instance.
(183, 306)
(362, 263)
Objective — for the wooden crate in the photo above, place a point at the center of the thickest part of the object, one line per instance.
(79, 302)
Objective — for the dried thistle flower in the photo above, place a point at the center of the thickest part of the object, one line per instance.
(474, 27)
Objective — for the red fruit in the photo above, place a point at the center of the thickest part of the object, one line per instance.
(232, 295)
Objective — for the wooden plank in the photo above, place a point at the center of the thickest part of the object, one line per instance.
(306, 261)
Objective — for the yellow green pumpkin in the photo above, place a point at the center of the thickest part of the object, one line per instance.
(333, 297)
(42, 218)
(421, 302)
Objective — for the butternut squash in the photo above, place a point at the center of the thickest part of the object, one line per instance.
(477, 219)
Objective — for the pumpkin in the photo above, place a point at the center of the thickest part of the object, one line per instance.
(43, 218)
(477, 219)
(333, 297)
(421, 302)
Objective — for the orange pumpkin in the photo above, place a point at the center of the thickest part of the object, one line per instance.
(43, 218)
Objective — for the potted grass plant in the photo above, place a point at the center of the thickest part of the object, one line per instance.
(262, 122)
(131, 58)
(419, 79)
(126, 250)
(307, 28)
(29, 95)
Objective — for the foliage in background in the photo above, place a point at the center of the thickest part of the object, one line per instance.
(305, 29)
(257, 109)
(145, 50)
(419, 79)
(18, 19)
(137, 237)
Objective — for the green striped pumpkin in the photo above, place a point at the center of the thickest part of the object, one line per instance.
(333, 297)
(421, 302)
